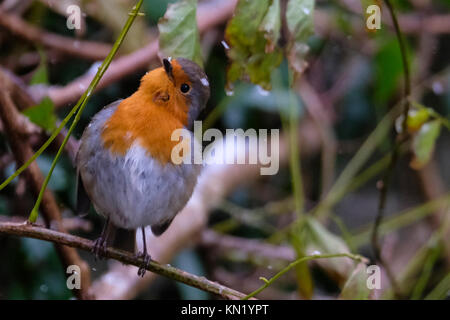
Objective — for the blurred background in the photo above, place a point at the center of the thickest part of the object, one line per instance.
(260, 223)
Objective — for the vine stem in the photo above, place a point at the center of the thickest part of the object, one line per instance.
(83, 101)
(37, 232)
(267, 283)
(395, 153)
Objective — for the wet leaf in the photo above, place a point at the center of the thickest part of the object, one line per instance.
(252, 29)
(356, 286)
(300, 23)
(43, 114)
(423, 143)
(271, 26)
(178, 32)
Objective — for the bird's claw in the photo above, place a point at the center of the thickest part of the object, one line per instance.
(99, 249)
(143, 268)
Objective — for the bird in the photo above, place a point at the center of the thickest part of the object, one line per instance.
(124, 163)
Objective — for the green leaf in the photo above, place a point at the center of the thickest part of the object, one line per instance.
(271, 26)
(423, 143)
(178, 32)
(388, 69)
(319, 240)
(356, 286)
(300, 23)
(42, 114)
(440, 292)
(40, 76)
(253, 28)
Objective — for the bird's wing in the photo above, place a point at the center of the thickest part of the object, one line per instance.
(83, 201)
(159, 229)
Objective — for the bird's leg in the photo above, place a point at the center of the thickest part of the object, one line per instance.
(144, 255)
(101, 243)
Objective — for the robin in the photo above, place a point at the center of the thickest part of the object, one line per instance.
(124, 160)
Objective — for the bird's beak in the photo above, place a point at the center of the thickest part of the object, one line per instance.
(168, 69)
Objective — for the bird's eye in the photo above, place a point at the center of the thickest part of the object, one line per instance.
(184, 87)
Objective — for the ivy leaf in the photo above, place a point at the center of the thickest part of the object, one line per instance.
(178, 32)
(300, 23)
(424, 142)
(252, 29)
(42, 114)
(356, 286)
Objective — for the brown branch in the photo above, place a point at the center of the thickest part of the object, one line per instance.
(22, 152)
(21, 95)
(70, 224)
(322, 120)
(208, 15)
(211, 238)
(16, 6)
(415, 23)
(37, 232)
(90, 50)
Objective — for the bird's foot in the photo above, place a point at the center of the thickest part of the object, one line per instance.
(99, 249)
(143, 268)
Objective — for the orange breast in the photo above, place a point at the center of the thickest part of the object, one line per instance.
(139, 118)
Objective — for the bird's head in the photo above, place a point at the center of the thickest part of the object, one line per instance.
(180, 86)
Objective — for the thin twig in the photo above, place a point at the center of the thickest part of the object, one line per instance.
(90, 50)
(395, 153)
(37, 232)
(302, 260)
